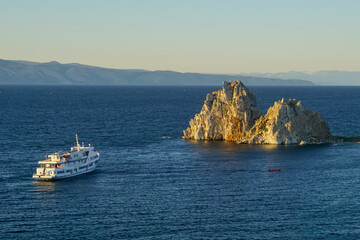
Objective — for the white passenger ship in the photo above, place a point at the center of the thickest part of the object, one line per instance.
(59, 165)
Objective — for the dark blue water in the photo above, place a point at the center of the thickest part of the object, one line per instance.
(150, 184)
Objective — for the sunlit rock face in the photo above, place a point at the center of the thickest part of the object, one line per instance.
(227, 114)
(289, 122)
(231, 114)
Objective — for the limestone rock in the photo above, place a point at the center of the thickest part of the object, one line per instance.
(289, 122)
(227, 114)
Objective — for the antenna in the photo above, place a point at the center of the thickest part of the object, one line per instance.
(77, 143)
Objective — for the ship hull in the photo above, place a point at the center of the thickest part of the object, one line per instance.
(58, 177)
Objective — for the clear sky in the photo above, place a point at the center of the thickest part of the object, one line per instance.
(212, 36)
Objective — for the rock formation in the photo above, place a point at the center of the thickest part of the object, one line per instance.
(289, 122)
(227, 114)
(231, 114)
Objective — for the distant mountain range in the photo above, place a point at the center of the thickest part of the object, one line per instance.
(31, 73)
(344, 78)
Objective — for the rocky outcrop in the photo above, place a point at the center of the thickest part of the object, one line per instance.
(227, 114)
(231, 114)
(289, 122)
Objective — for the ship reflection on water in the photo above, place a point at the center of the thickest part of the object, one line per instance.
(44, 186)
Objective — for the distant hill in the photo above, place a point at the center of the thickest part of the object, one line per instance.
(27, 73)
(339, 78)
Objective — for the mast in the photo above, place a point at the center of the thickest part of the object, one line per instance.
(77, 143)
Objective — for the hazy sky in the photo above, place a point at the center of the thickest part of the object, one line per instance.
(213, 36)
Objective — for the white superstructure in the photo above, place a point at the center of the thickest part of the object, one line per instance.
(61, 164)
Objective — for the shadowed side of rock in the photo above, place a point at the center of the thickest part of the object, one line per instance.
(289, 122)
(227, 114)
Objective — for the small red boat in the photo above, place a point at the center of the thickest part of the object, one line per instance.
(275, 170)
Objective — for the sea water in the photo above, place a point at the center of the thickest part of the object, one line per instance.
(151, 184)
